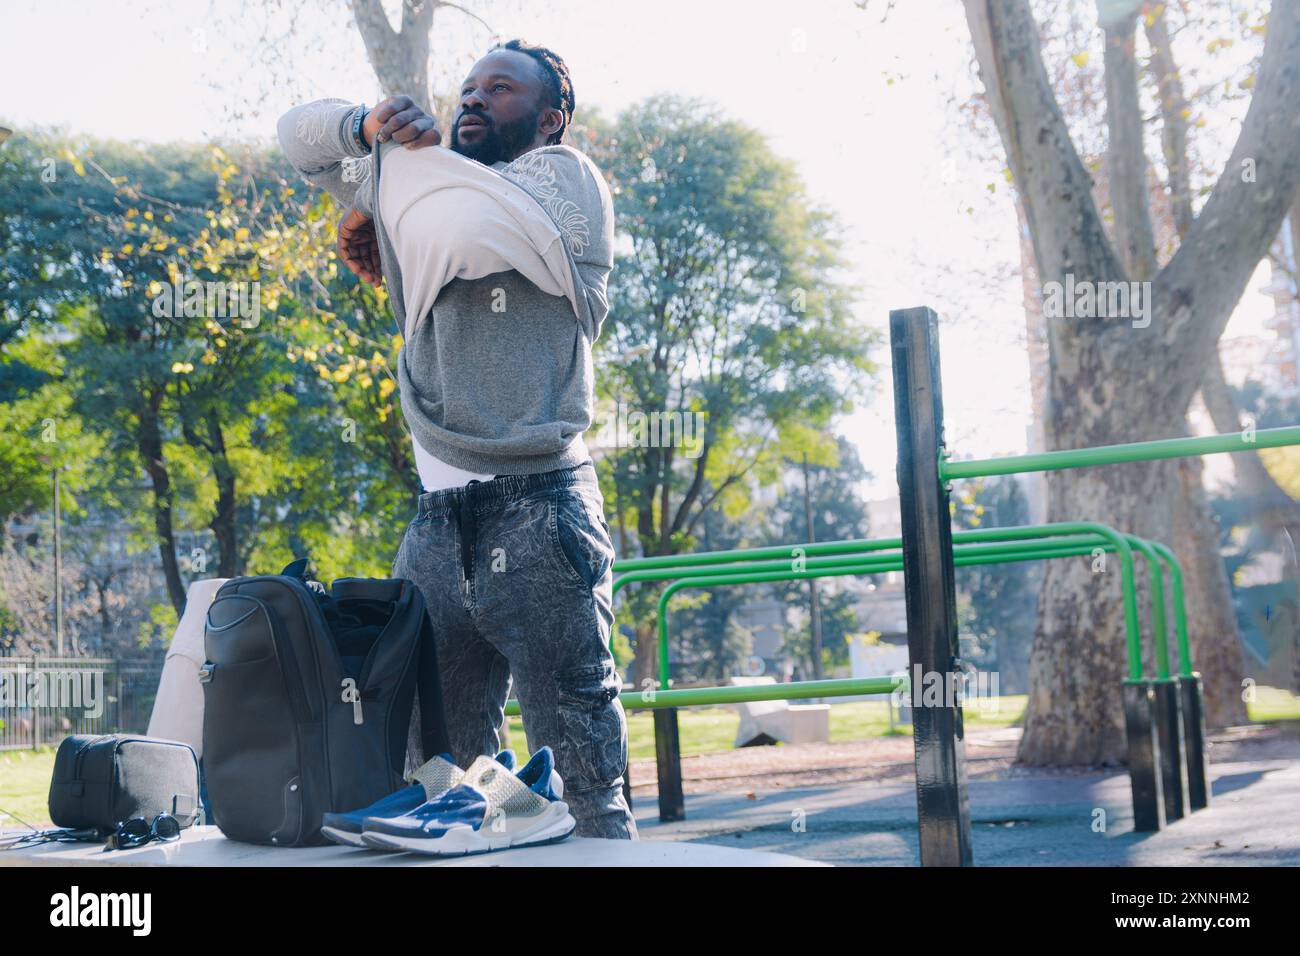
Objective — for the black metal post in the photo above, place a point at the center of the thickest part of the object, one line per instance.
(942, 804)
(1143, 756)
(1169, 731)
(668, 760)
(1198, 770)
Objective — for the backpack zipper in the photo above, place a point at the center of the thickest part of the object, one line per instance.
(352, 696)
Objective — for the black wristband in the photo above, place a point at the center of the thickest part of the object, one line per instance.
(358, 122)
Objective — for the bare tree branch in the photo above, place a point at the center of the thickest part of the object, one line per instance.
(1173, 119)
(1126, 161)
(1206, 277)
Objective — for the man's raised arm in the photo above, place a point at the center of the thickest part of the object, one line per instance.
(318, 141)
(329, 143)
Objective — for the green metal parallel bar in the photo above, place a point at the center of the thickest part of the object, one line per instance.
(809, 550)
(857, 546)
(672, 566)
(796, 690)
(1115, 454)
(1122, 548)
(1154, 572)
(1185, 668)
(1062, 545)
(846, 562)
(670, 573)
(769, 571)
(677, 566)
(873, 565)
(1035, 543)
(703, 558)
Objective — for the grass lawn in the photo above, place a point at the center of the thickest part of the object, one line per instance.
(25, 786)
(712, 729)
(25, 774)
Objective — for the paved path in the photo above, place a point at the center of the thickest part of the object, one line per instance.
(1039, 820)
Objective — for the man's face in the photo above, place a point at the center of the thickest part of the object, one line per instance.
(501, 109)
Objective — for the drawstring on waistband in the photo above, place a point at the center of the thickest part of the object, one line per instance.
(463, 512)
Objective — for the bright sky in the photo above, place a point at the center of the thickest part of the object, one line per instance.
(862, 108)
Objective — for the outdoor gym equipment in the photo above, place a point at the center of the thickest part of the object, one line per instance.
(1089, 538)
(924, 469)
(865, 556)
(1163, 716)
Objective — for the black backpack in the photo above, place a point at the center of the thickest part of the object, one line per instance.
(309, 697)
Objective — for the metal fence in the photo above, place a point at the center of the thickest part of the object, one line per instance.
(44, 699)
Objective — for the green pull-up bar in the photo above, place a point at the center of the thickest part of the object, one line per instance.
(1158, 556)
(1180, 609)
(673, 566)
(1115, 454)
(874, 564)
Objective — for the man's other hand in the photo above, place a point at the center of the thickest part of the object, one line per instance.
(399, 119)
(359, 247)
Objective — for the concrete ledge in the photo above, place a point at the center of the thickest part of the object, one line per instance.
(205, 846)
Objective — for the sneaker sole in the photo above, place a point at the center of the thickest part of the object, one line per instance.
(556, 825)
(342, 837)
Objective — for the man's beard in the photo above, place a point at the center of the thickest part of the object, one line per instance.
(497, 143)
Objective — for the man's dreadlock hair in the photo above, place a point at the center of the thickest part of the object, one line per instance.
(555, 73)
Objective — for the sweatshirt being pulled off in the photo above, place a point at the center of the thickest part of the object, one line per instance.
(498, 279)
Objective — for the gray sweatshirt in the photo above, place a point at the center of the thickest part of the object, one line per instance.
(497, 378)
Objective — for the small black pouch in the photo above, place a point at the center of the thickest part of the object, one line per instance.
(101, 781)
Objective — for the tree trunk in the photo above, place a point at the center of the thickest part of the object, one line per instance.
(1212, 625)
(645, 665)
(1125, 158)
(1174, 112)
(400, 58)
(1211, 618)
(223, 522)
(1271, 507)
(149, 443)
(1078, 660)
(1116, 380)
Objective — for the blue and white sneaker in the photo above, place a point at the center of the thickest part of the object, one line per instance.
(429, 781)
(490, 809)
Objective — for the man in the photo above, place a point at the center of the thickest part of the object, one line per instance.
(497, 270)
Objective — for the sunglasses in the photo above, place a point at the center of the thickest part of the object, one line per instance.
(138, 831)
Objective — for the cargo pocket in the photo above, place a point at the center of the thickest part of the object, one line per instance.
(592, 748)
(582, 538)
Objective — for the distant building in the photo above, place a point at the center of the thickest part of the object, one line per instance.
(881, 607)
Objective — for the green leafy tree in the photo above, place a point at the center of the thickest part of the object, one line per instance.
(997, 602)
(834, 497)
(276, 432)
(728, 309)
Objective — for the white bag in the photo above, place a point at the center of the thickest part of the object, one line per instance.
(178, 708)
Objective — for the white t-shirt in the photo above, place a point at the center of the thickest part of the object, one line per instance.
(437, 475)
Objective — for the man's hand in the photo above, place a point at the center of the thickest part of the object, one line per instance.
(359, 247)
(399, 119)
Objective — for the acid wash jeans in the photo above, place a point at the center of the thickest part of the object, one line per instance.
(517, 575)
